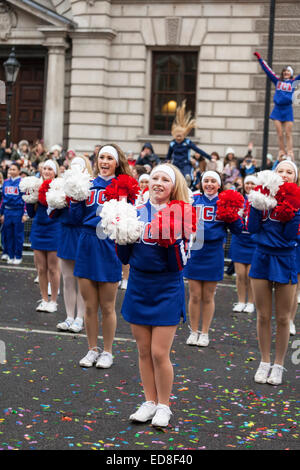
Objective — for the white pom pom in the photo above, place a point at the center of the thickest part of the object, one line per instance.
(260, 201)
(56, 196)
(270, 180)
(30, 186)
(77, 183)
(120, 222)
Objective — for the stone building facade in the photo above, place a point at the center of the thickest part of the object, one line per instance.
(98, 66)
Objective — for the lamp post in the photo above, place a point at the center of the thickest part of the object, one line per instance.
(11, 67)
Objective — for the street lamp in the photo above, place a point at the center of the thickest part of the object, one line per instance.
(11, 67)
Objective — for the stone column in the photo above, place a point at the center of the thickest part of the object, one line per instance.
(55, 88)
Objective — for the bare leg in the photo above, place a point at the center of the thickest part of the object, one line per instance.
(284, 296)
(195, 296)
(143, 336)
(241, 281)
(54, 273)
(262, 290)
(208, 304)
(107, 293)
(89, 292)
(162, 339)
(125, 271)
(40, 260)
(280, 138)
(288, 127)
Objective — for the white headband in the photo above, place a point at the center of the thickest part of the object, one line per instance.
(291, 163)
(290, 69)
(211, 174)
(78, 161)
(51, 164)
(250, 178)
(111, 150)
(165, 169)
(144, 176)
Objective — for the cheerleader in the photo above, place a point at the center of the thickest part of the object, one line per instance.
(241, 251)
(97, 265)
(154, 301)
(44, 239)
(180, 147)
(144, 192)
(205, 267)
(274, 263)
(282, 113)
(66, 252)
(12, 216)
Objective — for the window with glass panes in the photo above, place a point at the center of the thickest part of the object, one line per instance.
(174, 77)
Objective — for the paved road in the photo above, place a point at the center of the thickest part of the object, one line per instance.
(47, 401)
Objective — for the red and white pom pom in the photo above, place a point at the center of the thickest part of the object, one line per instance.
(56, 197)
(122, 187)
(44, 188)
(229, 206)
(30, 185)
(120, 222)
(178, 220)
(263, 196)
(288, 202)
(77, 183)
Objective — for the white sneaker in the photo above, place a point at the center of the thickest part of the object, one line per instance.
(105, 360)
(4, 257)
(203, 340)
(43, 305)
(90, 359)
(145, 412)
(10, 261)
(249, 308)
(36, 280)
(292, 328)
(124, 284)
(64, 325)
(239, 307)
(193, 338)
(77, 325)
(262, 372)
(51, 307)
(276, 375)
(17, 260)
(162, 416)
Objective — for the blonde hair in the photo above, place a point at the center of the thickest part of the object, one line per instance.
(183, 121)
(180, 190)
(122, 169)
(88, 164)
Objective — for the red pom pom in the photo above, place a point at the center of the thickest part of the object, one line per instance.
(43, 191)
(288, 202)
(230, 202)
(124, 186)
(177, 220)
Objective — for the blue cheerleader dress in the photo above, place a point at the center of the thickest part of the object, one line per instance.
(96, 257)
(155, 293)
(242, 246)
(69, 234)
(45, 232)
(206, 262)
(274, 258)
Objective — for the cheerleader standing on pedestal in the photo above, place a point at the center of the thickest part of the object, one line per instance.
(154, 301)
(44, 238)
(274, 264)
(205, 267)
(241, 251)
(97, 265)
(282, 113)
